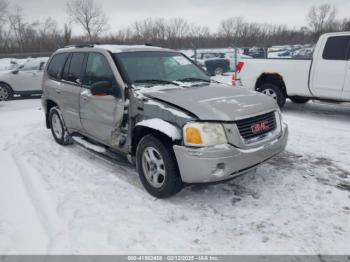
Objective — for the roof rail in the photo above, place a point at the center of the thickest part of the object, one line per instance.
(82, 45)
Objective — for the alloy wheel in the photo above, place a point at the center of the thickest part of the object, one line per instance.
(153, 167)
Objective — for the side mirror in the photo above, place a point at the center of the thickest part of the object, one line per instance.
(102, 88)
(15, 72)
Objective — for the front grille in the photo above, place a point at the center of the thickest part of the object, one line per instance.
(256, 126)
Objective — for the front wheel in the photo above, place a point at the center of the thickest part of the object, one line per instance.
(157, 167)
(58, 128)
(275, 92)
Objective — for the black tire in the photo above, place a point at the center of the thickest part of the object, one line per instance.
(299, 100)
(280, 94)
(8, 90)
(218, 70)
(172, 182)
(63, 137)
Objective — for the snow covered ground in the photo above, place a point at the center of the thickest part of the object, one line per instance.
(66, 200)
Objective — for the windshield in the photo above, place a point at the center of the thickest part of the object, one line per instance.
(159, 68)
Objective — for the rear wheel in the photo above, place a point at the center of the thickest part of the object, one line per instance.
(218, 71)
(275, 92)
(58, 128)
(6, 93)
(157, 167)
(299, 100)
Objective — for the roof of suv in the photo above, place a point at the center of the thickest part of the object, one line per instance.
(117, 48)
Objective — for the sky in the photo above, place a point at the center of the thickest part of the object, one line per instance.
(122, 13)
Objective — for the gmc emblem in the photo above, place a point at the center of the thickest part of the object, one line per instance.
(260, 127)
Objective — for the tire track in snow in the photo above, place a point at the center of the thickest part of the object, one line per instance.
(56, 230)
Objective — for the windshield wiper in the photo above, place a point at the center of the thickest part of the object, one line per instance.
(192, 79)
(156, 81)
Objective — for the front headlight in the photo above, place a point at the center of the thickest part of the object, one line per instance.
(204, 134)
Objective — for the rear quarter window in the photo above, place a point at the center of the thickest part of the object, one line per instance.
(337, 48)
(55, 68)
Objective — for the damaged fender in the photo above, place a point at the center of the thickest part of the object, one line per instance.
(162, 126)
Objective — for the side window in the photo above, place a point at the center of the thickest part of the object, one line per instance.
(73, 68)
(56, 65)
(337, 48)
(97, 70)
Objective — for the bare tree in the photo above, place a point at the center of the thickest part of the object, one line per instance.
(17, 26)
(3, 31)
(345, 26)
(321, 19)
(89, 15)
(232, 28)
(67, 34)
(3, 10)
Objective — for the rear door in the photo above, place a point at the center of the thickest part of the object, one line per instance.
(330, 68)
(69, 90)
(100, 115)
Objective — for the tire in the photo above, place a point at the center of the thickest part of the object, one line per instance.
(58, 129)
(275, 92)
(219, 71)
(299, 100)
(6, 92)
(157, 167)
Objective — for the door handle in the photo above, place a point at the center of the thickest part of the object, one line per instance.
(58, 91)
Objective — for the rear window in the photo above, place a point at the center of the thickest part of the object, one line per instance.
(337, 48)
(56, 65)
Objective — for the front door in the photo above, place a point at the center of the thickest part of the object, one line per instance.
(331, 67)
(100, 115)
(28, 77)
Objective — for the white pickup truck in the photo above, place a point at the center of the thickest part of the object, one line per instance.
(324, 77)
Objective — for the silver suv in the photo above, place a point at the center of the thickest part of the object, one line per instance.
(162, 112)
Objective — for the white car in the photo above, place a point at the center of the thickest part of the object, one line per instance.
(325, 76)
(24, 80)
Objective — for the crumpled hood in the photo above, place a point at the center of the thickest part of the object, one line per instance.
(215, 102)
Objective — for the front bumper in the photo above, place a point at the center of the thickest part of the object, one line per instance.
(213, 164)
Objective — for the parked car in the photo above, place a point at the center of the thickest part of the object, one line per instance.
(214, 63)
(304, 53)
(24, 80)
(159, 109)
(324, 77)
(257, 52)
